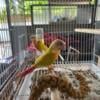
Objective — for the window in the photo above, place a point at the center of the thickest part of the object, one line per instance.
(45, 14)
(27, 5)
(17, 12)
(40, 15)
(98, 11)
(5, 47)
(84, 15)
(98, 14)
(63, 13)
(72, 1)
(5, 44)
(80, 12)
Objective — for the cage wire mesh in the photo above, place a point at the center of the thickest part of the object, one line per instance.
(12, 44)
(5, 44)
(59, 19)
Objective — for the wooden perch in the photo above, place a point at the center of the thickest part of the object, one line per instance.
(86, 30)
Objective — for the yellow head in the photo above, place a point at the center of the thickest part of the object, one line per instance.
(57, 45)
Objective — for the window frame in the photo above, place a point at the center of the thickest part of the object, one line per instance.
(50, 5)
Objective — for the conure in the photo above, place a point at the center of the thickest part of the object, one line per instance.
(40, 46)
(47, 58)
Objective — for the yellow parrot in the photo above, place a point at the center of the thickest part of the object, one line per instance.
(39, 44)
(47, 58)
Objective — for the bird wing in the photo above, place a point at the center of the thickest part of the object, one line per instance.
(46, 59)
(41, 46)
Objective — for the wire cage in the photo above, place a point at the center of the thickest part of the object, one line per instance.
(11, 44)
(7, 67)
(58, 19)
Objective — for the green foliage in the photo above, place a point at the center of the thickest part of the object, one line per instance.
(55, 10)
(16, 7)
(3, 15)
(60, 10)
(27, 5)
(93, 1)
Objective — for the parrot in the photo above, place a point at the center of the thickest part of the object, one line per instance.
(47, 58)
(40, 46)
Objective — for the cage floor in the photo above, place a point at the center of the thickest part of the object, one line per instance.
(25, 89)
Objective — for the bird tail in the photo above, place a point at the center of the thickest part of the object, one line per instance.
(26, 71)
